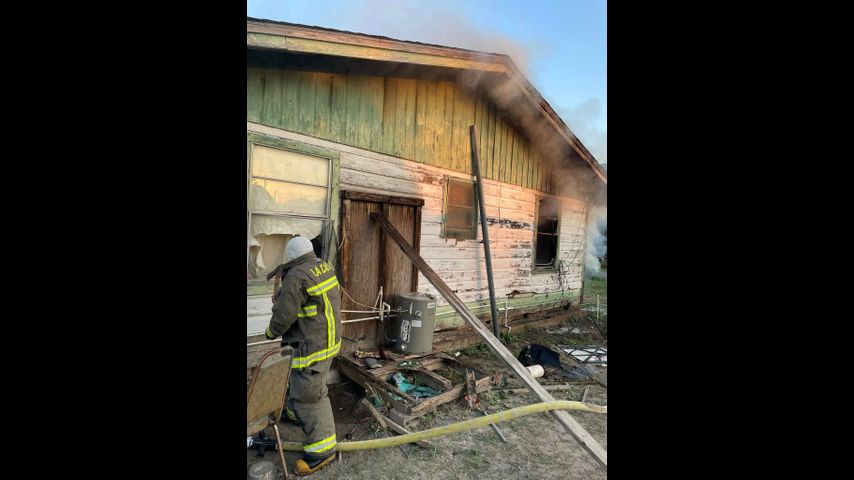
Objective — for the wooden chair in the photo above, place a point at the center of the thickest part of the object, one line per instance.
(265, 398)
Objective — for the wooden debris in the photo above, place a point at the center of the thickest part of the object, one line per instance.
(433, 380)
(471, 391)
(380, 419)
(399, 429)
(404, 406)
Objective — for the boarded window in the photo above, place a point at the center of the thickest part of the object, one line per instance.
(548, 212)
(460, 210)
(288, 196)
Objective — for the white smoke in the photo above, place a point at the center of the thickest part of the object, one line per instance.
(439, 22)
(597, 240)
(583, 119)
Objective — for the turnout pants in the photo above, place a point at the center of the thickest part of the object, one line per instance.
(307, 402)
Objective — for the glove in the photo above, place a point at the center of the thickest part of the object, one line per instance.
(268, 335)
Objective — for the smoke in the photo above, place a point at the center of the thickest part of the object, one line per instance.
(597, 239)
(437, 22)
(582, 120)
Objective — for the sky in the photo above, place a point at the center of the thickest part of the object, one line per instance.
(560, 44)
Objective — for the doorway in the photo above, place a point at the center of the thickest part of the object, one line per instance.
(370, 260)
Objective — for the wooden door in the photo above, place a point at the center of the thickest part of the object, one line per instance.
(369, 260)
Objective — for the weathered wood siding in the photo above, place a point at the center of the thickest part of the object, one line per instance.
(510, 209)
(421, 120)
(258, 312)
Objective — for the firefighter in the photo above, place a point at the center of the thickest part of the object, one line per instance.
(306, 315)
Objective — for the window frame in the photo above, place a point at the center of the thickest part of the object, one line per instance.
(457, 233)
(552, 268)
(332, 192)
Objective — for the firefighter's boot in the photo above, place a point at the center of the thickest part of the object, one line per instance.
(309, 464)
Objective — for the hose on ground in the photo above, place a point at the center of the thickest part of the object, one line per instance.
(458, 427)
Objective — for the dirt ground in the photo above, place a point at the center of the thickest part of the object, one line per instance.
(538, 447)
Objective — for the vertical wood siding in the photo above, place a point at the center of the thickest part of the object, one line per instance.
(424, 121)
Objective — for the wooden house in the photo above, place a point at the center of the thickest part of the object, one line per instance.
(341, 124)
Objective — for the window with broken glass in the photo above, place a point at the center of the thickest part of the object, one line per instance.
(547, 235)
(460, 210)
(289, 194)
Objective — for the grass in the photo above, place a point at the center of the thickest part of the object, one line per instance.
(508, 337)
(490, 397)
(482, 348)
(475, 350)
(595, 286)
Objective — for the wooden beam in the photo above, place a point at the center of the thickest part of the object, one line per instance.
(380, 328)
(440, 381)
(484, 227)
(372, 197)
(325, 47)
(373, 411)
(571, 425)
(351, 38)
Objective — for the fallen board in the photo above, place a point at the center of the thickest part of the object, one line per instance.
(572, 426)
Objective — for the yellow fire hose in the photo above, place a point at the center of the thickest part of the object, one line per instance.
(458, 427)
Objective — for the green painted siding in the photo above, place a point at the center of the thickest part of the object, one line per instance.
(420, 120)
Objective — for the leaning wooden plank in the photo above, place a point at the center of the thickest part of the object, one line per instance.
(574, 428)
(373, 411)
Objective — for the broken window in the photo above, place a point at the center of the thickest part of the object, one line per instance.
(289, 195)
(546, 244)
(460, 210)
